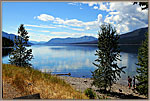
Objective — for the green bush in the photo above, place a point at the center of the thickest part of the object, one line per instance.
(88, 92)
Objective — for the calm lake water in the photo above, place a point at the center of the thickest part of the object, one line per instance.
(77, 60)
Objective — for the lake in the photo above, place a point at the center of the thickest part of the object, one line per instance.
(77, 60)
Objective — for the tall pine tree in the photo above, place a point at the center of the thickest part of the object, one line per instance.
(20, 56)
(108, 71)
(142, 76)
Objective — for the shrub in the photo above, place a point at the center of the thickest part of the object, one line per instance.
(88, 92)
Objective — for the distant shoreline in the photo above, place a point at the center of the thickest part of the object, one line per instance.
(7, 47)
(84, 44)
(78, 44)
(130, 44)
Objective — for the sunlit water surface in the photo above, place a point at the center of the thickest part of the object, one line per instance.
(77, 60)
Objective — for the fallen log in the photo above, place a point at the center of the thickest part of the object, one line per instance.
(34, 96)
(63, 74)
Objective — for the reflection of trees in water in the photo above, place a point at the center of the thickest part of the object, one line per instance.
(129, 48)
(50, 55)
(6, 51)
(123, 48)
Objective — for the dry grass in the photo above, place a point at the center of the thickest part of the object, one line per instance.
(31, 81)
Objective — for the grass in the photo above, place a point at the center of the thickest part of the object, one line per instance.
(31, 81)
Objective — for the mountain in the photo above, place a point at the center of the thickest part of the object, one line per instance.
(38, 43)
(11, 37)
(71, 40)
(8, 36)
(133, 37)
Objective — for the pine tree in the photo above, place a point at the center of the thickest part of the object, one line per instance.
(108, 71)
(144, 5)
(142, 76)
(20, 56)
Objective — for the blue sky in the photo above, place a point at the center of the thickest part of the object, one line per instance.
(47, 20)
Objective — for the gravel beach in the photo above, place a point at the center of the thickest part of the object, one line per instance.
(80, 84)
(118, 91)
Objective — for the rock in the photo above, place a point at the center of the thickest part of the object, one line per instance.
(85, 81)
(120, 90)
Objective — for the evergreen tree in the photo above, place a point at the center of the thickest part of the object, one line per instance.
(144, 5)
(142, 76)
(108, 71)
(20, 56)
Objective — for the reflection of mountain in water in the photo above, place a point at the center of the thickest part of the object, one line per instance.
(6, 51)
(76, 59)
(129, 60)
(76, 47)
(129, 48)
(123, 48)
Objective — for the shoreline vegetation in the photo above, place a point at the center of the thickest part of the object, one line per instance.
(21, 81)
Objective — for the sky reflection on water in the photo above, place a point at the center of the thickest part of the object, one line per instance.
(76, 60)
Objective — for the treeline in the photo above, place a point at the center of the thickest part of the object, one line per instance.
(7, 42)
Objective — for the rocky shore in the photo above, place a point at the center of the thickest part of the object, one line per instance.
(118, 91)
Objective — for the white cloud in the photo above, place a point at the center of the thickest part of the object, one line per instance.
(90, 3)
(100, 17)
(113, 13)
(81, 8)
(126, 17)
(95, 7)
(108, 19)
(59, 20)
(77, 29)
(28, 29)
(60, 33)
(61, 26)
(39, 37)
(74, 22)
(87, 28)
(35, 17)
(68, 34)
(72, 3)
(116, 18)
(103, 7)
(123, 15)
(45, 17)
(41, 26)
(91, 25)
(45, 31)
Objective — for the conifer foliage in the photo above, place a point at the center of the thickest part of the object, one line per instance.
(20, 56)
(142, 76)
(108, 53)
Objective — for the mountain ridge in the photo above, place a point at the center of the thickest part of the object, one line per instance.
(12, 37)
(133, 37)
(70, 40)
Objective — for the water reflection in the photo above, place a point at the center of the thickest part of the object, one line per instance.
(6, 51)
(129, 48)
(76, 60)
